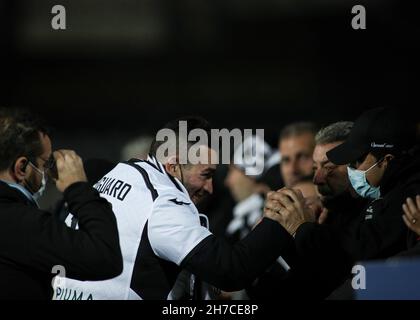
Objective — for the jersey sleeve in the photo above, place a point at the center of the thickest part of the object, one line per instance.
(174, 228)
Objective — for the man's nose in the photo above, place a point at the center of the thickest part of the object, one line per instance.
(295, 166)
(319, 177)
(209, 186)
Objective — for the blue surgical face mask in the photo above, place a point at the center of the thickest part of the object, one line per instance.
(361, 185)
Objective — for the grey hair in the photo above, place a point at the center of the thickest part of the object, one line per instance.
(336, 132)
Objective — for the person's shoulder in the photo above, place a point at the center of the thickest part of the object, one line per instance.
(14, 206)
(171, 196)
(11, 195)
(134, 172)
(160, 183)
(172, 200)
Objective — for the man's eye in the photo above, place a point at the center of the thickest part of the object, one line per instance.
(207, 175)
(303, 157)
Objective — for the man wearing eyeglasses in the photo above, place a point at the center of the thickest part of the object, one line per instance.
(33, 243)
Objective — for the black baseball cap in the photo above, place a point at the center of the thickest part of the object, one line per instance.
(380, 128)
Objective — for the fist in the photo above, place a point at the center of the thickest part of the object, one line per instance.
(288, 208)
(69, 169)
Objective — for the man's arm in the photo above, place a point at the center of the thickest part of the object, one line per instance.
(37, 240)
(233, 267)
(320, 263)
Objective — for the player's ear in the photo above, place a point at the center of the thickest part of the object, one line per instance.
(171, 166)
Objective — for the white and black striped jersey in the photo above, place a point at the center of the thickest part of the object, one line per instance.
(160, 235)
(158, 226)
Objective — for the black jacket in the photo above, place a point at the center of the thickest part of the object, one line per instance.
(327, 252)
(233, 267)
(380, 232)
(33, 241)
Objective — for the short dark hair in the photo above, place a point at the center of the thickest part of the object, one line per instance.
(193, 122)
(297, 129)
(19, 136)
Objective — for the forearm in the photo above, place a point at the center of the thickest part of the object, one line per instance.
(235, 267)
(90, 253)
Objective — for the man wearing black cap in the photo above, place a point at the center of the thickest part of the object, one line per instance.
(384, 167)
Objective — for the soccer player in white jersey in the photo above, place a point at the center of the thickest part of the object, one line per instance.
(162, 238)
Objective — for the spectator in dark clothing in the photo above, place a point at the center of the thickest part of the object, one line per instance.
(33, 241)
(384, 168)
(411, 215)
(334, 187)
(341, 203)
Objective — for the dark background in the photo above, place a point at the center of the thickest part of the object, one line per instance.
(125, 67)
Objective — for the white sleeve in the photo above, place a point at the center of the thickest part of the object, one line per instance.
(174, 229)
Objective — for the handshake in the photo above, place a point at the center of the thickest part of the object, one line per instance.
(289, 208)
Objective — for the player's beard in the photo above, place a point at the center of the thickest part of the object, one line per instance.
(199, 196)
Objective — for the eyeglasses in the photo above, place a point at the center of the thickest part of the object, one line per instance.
(49, 163)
